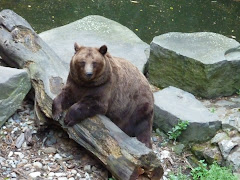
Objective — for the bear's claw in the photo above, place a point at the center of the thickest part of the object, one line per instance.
(57, 116)
(69, 123)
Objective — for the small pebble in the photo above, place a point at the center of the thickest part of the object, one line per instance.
(57, 156)
(49, 150)
(20, 155)
(38, 165)
(87, 168)
(10, 154)
(60, 174)
(71, 178)
(62, 178)
(12, 163)
(155, 139)
(13, 175)
(45, 167)
(94, 168)
(35, 174)
(24, 161)
(73, 171)
(51, 174)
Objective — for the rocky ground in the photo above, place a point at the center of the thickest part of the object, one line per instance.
(50, 154)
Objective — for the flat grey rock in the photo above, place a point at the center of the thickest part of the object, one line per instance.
(234, 159)
(226, 146)
(219, 137)
(96, 31)
(227, 110)
(14, 85)
(173, 104)
(204, 64)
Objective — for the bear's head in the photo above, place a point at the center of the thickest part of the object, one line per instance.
(88, 63)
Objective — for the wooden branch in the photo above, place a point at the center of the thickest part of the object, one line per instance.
(126, 158)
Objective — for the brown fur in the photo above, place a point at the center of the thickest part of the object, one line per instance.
(116, 89)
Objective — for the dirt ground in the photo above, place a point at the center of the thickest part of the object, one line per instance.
(50, 154)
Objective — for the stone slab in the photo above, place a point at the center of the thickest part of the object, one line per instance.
(205, 64)
(14, 86)
(173, 104)
(95, 31)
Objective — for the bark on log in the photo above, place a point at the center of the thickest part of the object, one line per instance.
(125, 157)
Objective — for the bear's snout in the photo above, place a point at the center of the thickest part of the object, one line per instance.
(89, 74)
(88, 70)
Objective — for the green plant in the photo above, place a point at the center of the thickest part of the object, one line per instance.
(200, 171)
(177, 130)
(212, 110)
(215, 172)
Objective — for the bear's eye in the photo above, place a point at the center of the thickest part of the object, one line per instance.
(82, 63)
(94, 64)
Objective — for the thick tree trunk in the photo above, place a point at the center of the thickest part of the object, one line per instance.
(125, 157)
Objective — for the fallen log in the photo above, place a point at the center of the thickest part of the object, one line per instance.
(125, 157)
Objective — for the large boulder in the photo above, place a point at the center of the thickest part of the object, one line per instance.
(14, 85)
(205, 64)
(173, 104)
(95, 31)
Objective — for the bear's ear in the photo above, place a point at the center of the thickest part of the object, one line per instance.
(103, 50)
(77, 47)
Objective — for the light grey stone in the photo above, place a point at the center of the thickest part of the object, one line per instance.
(224, 103)
(173, 104)
(13, 175)
(236, 99)
(14, 85)
(49, 150)
(234, 159)
(226, 146)
(60, 174)
(96, 31)
(87, 168)
(38, 165)
(35, 174)
(73, 171)
(219, 137)
(19, 154)
(20, 140)
(2, 159)
(57, 156)
(236, 140)
(51, 174)
(62, 178)
(203, 63)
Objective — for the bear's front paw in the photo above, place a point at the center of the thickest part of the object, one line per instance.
(57, 116)
(69, 120)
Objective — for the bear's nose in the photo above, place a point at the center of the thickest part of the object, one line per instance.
(89, 74)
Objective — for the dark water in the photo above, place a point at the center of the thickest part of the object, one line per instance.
(147, 18)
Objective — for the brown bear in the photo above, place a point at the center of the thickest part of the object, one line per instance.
(101, 84)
